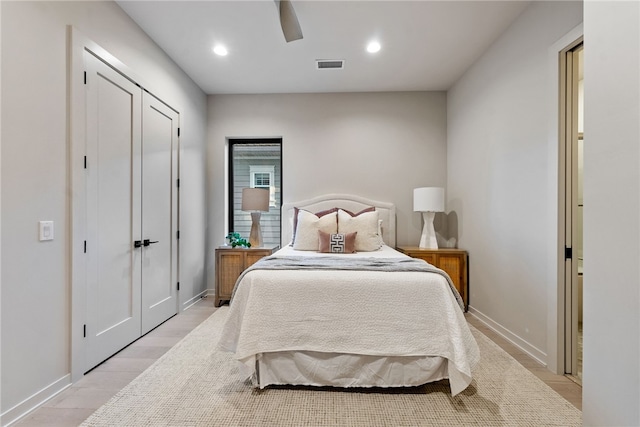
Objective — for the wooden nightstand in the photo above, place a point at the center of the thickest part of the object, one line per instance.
(230, 263)
(453, 261)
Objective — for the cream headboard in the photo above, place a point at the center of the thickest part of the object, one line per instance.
(386, 212)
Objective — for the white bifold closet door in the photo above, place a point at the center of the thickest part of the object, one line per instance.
(131, 212)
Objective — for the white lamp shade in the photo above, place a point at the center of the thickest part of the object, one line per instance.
(255, 199)
(428, 199)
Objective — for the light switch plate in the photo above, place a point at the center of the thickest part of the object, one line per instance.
(46, 230)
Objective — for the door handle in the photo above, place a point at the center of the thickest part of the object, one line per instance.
(148, 242)
(137, 243)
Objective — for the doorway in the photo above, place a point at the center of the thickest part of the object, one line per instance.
(125, 209)
(572, 147)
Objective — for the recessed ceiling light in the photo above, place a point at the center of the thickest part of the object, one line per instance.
(220, 50)
(373, 47)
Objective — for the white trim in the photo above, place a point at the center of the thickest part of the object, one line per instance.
(533, 351)
(85, 44)
(555, 274)
(34, 401)
(77, 199)
(192, 301)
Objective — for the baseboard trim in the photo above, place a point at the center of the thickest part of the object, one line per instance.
(191, 301)
(33, 402)
(537, 354)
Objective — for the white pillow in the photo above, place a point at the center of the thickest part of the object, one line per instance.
(366, 225)
(308, 226)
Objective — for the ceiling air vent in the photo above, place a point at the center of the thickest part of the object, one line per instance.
(329, 64)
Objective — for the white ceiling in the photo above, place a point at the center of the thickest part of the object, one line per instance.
(426, 45)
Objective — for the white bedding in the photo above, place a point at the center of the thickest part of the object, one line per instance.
(370, 313)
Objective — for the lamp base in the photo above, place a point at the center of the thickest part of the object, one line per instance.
(255, 237)
(428, 239)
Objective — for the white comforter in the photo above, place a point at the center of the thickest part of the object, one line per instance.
(353, 312)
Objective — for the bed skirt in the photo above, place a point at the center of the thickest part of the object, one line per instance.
(346, 370)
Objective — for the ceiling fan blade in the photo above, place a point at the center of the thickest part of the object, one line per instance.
(289, 21)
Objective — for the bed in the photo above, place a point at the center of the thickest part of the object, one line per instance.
(373, 318)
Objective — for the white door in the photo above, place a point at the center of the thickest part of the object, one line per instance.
(131, 193)
(114, 274)
(160, 126)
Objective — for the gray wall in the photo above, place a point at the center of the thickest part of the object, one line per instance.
(35, 276)
(611, 379)
(502, 180)
(499, 174)
(377, 145)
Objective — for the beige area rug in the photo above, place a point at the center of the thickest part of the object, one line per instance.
(195, 385)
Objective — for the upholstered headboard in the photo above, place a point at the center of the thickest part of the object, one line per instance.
(386, 212)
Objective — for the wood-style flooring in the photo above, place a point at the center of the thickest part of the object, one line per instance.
(564, 386)
(76, 403)
(71, 407)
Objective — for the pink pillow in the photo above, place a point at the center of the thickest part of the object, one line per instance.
(337, 243)
(365, 210)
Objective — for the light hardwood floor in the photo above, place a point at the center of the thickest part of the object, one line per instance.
(564, 386)
(71, 407)
(76, 403)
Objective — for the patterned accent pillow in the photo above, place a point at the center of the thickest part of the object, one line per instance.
(337, 243)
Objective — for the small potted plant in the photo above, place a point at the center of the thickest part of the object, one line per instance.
(234, 240)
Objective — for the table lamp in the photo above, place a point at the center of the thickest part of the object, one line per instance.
(255, 200)
(428, 200)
